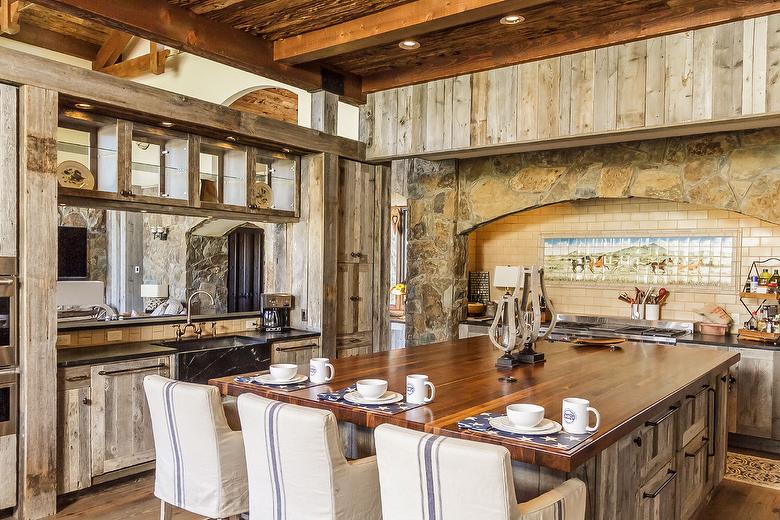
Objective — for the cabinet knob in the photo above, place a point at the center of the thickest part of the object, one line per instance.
(638, 441)
(355, 298)
(86, 401)
(126, 193)
(356, 254)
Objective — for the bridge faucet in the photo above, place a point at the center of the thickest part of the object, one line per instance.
(180, 331)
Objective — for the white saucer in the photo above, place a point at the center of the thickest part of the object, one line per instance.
(387, 398)
(266, 379)
(546, 427)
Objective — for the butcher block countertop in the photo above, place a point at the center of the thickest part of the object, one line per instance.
(628, 386)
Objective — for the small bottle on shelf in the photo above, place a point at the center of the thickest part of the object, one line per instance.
(752, 322)
(764, 277)
(754, 283)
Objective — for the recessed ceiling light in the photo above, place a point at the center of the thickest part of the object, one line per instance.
(286, 150)
(231, 138)
(83, 106)
(511, 19)
(166, 124)
(409, 45)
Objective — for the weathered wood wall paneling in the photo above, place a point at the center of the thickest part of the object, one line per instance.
(37, 306)
(8, 170)
(711, 74)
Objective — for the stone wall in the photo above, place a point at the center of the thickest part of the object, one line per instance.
(436, 253)
(738, 171)
(207, 270)
(165, 261)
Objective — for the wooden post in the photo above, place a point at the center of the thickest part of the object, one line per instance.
(381, 256)
(329, 252)
(325, 112)
(37, 304)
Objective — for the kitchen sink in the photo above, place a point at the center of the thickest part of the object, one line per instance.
(211, 343)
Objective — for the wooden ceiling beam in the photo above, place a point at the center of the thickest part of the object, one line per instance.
(111, 50)
(151, 63)
(54, 41)
(391, 26)
(179, 28)
(561, 44)
(9, 16)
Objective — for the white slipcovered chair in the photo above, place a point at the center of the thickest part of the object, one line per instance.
(427, 477)
(200, 458)
(297, 468)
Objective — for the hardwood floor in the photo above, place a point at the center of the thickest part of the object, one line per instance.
(132, 498)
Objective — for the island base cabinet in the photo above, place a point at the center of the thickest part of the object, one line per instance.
(121, 424)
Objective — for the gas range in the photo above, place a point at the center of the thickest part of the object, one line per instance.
(574, 326)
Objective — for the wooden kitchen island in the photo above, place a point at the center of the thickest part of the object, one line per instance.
(660, 449)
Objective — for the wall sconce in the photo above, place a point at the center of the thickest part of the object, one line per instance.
(160, 233)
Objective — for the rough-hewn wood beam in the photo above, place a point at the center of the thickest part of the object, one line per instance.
(111, 49)
(151, 63)
(54, 41)
(560, 44)
(9, 16)
(392, 25)
(179, 28)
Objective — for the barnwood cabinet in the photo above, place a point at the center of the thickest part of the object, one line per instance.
(298, 352)
(103, 422)
(8, 169)
(355, 270)
(756, 390)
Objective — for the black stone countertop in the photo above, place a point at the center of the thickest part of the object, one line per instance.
(79, 356)
(155, 320)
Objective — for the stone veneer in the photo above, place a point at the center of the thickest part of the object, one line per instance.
(737, 171)
(436, 273)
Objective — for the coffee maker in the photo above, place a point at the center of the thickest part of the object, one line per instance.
(276, 311)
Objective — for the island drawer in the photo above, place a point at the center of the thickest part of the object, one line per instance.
(658, 497)
(656, 440)
(298, 352)
(693, 414)
(695, 475)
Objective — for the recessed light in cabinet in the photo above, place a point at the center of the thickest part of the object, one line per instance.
(409, 45)
(511, 19)
(83, 106)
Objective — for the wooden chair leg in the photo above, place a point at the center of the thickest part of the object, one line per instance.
(166, 511)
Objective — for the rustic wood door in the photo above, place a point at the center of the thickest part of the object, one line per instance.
(245, 269)
(754, 388)
(74, 470)
(121, 424)
(354, 311)
(356, 212)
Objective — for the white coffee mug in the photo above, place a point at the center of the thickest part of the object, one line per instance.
(417, 389)
(575, 416)
(319, 368)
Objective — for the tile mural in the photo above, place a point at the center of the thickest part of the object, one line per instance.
(697, 261)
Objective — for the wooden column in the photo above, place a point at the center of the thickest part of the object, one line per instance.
(381, 256)
(325, 112)
(329, 252)
(37, 305)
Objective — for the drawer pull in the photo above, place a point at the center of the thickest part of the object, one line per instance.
(703, 388)
(664, 417)
(130, 370)
(75, 379)
(704, 442)
(672, 475)
(295, 349)
(7, 282)
(354, 298)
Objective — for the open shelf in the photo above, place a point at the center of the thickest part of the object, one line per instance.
(760, 296)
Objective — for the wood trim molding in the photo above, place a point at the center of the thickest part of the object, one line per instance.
(37, 306)
(136, 101)
(391, 25)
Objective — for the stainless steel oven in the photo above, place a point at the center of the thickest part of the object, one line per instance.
(8, 310)
(8, 404)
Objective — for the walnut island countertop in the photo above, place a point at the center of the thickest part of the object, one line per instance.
(628, 386)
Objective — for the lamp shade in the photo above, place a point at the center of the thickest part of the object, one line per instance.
(149, 290)
(506, 276)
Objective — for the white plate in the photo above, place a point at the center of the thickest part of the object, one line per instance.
(266, 379)
(388, 398)
(546, 427)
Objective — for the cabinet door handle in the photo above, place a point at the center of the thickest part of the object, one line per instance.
(130, 370)
(664, 417)
(704, 442)
(711, 392)
(295, 349)
(75, 379)
(356, 254)
(6, 282)
(672, 475)
(354, 298)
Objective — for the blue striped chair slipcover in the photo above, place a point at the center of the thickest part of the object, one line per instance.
(296, 466)
(200, 459)
(427, 477)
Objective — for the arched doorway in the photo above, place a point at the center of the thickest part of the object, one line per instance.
(272, 102)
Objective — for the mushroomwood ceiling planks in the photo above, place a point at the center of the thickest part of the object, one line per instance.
(274, 19)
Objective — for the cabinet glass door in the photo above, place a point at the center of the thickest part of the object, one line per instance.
(222, 173)
(276, 183)
(87, 155)
(159, 164)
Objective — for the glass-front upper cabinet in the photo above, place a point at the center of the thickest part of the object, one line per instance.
(87, 152)
(276, 181)
(159, 164)
(222, 173)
